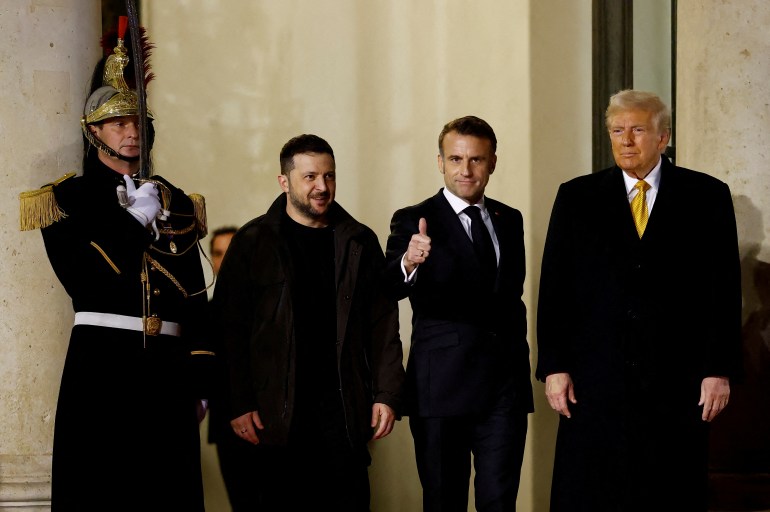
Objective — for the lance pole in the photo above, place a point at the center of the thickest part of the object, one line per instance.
(141, 91)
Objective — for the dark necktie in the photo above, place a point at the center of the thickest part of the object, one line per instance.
(482, 243)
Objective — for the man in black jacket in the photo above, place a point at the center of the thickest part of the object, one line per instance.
(312, 347)
(468, 375)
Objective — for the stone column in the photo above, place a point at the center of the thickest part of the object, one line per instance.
(722, 123)
(47, 51)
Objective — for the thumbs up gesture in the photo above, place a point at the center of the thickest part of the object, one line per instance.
(419, 247)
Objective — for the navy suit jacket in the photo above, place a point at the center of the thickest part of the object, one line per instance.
(468, 345)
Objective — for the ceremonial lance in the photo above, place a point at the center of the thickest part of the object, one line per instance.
(141, 90)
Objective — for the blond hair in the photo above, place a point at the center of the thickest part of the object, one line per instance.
(630, 99)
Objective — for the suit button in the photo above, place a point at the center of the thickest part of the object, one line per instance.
(156, 292)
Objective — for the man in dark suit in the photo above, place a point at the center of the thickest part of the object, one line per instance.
(639, 320)
(468, 375)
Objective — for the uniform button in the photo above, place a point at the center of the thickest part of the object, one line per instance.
(347, 297)
(156, 292)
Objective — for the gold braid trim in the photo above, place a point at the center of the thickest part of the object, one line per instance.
(38, 208)
(145, 300)
(178, 253)
(183, 231)
(104, 254)
(166, 273)
(199, 202)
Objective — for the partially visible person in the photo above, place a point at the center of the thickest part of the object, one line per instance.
(311, 340)
(126, 434)
(459, 257)
(639, 322)
(237, 462)
(220, 241)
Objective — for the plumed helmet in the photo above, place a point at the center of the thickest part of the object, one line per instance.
(115, 98)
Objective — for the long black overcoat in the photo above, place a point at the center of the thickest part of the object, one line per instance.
(637, 323)
(126, 432)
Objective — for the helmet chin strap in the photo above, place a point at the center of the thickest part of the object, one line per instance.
(101, 146)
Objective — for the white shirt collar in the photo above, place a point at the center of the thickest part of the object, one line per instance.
(458, 205)
(652, 179)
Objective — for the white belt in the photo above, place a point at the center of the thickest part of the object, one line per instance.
(134, 323)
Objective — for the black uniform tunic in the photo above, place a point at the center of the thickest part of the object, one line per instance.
(126, 432)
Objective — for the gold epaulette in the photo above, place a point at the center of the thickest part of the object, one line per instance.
(38, 208)
(199, 202)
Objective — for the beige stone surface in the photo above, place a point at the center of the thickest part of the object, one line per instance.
(378, 80)
(46, 51)
(723, 110)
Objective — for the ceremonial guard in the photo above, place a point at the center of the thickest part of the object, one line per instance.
(125, 246)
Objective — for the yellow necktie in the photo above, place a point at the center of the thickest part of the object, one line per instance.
(639, 206)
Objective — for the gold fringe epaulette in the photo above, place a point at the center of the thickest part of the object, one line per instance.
(38, 208)
(199, 202)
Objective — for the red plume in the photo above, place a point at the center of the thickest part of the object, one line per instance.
(147, 48)
(108, 42)
(110, 39)
(122, 25)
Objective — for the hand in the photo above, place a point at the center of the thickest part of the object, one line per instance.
(714, 395)
(383, 417)
(559, 391)
(246, 426)
(143, 202)
(201, 406)
(419, 248)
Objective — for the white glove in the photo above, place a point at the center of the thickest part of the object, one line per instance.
(143, 202)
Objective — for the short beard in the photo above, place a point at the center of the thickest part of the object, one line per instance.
(303, 208)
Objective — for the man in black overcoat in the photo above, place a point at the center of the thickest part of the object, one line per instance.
(638, 322)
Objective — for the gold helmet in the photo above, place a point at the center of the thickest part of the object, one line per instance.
(114, 98)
